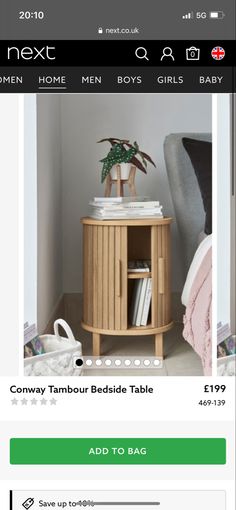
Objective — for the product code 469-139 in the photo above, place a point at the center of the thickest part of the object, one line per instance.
(211, 403)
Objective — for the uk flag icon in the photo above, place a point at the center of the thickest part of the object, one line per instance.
(218, 53)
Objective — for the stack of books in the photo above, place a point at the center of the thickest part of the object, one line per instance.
(108, 208)
(139, 266)
(141, 302)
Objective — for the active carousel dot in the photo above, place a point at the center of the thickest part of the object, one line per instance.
(79, 362)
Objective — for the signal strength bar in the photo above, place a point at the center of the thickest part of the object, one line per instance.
(189, 15)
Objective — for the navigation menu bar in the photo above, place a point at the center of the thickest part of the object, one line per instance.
(115, 80)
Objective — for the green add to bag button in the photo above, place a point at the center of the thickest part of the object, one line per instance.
(118, 451)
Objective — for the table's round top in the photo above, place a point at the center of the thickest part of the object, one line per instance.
(127, 221)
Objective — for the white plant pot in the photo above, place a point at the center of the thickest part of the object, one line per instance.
(124, 171)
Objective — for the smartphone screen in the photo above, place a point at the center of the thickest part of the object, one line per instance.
(117, 262)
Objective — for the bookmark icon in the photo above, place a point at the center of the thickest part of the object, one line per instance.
(28, 503)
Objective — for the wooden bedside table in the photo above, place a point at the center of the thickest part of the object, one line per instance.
(107, 285)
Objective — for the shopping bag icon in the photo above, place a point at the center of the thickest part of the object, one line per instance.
(192, 53)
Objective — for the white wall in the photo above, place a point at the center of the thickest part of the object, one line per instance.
(223, 206)
(10, 123)
(49, 207)
(146, 118)
(30, 210)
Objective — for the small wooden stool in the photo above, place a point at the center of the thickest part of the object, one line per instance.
(120, 183)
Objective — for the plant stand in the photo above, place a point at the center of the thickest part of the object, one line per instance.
(108, 286)
(120, 183)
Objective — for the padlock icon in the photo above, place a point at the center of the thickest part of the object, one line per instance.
(100, 30)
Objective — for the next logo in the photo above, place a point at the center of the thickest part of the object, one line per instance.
(31, 53)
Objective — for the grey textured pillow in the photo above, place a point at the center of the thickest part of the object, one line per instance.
(200, 153)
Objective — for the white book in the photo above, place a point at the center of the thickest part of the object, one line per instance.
(119, 199)
(147, 303)
(142, 205)
(126, 210)
(145, 210)
(223, 332)
(128, 213)
(141, 301)
(107, 205)
(135, 301)
(107, 200)
(142, 212)
(139, 270)
(30, 332)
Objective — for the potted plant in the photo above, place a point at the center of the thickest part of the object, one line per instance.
(126, 155)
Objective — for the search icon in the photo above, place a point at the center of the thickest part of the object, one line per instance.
(141, 52)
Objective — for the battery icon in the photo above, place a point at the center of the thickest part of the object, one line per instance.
(216, 15)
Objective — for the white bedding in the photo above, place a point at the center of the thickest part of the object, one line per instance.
(196, 262)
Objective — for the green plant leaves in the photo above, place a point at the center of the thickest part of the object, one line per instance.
(117, 154)
(106, 169)
(128, 155)
(123, 152)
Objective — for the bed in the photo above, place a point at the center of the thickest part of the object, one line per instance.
(196, 260)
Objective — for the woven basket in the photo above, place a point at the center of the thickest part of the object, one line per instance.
(58, 359)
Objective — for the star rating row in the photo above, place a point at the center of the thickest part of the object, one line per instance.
(34, 401)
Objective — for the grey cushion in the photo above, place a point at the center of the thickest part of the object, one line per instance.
(186, 196)
(200, 153)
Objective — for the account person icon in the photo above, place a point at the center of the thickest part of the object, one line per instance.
(167, 52)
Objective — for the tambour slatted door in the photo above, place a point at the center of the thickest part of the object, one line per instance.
(160, 261)
(105, 277)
